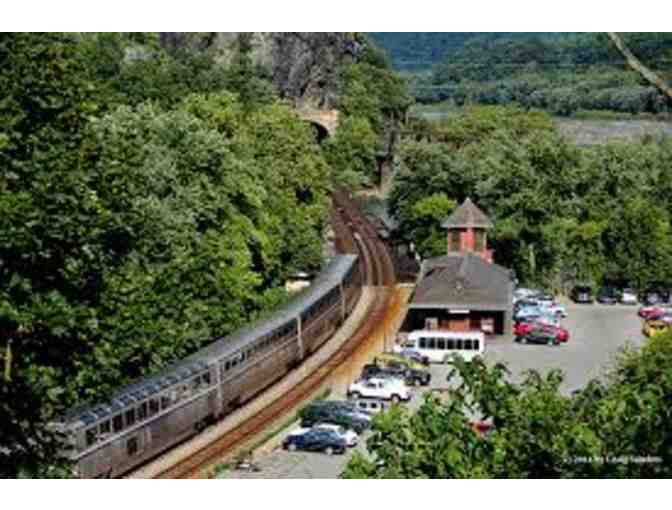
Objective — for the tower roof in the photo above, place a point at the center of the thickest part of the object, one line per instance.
(468, 215)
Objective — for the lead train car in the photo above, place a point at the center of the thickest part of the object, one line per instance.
(148, 417)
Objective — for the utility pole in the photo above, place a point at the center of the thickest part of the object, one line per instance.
(8, 362)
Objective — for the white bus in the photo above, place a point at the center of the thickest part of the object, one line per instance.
(439, 346)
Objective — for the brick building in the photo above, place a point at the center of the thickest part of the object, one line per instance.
(463, 290)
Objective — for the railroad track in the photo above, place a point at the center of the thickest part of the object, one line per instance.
(354, 234)
(370, 246)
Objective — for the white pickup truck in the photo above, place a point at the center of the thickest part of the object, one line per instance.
(386, 389)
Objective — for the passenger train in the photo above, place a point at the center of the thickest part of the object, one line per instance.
(148, 417)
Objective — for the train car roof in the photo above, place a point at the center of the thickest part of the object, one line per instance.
(138, 391)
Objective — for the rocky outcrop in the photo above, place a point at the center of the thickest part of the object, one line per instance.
(304, 66)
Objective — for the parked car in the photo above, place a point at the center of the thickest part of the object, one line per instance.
(371, 406)
(538, 314)
(629, 297)
(548, 318)
(526, 303)
(582, 294)
(545, 298)
(411, 371)
(387, 389)
(521, 329)
(350, 436)
(337, 413)
(522, 293)
(607, 296)
(553, 308)
(539, 336)
(652, 312)
(322, 440)
(650, 297)
(654, 327)
(527, 312)
(412, 355)
(665, 296)
(371, 371)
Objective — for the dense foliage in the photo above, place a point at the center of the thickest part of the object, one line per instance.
(420, 50)
(561, 74)
(373, 105)
(562, 214)
(612, 428)
(150, 201)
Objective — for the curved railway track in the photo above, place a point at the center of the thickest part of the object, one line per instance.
(354, 234)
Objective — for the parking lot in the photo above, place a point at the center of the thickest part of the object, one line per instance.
(597, 332)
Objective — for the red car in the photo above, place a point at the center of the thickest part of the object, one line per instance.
(651, 312)
(521, 329)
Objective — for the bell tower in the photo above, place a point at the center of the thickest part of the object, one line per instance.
(467, 230)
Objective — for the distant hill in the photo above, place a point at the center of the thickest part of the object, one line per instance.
(564, 73)
(415, 51)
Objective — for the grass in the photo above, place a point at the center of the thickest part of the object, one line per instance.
(612, 115)
(220, 470)
(447, 109)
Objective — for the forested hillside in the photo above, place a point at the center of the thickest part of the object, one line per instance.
(562, 214)
(416, 51)
(153, 197)
(560, 73)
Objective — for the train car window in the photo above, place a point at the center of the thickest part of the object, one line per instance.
(423, 343)
(450, 344)
(142, 411)
(117, 423)
(477, 345)
(227, 365)
(458, 344)
(165, 402)
(206, 378)
(441, 343)
(467, 345)
(105, 429)
(153, 407)
(130, 417)
(91, 436)
(185, 392)
(132, 446)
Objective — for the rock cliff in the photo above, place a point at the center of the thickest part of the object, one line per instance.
(304, 66)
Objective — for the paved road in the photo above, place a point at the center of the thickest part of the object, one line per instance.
(597, 332)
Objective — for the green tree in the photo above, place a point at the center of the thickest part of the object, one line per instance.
(424, 223)
(537, 430)
(351, 153)
(639, 244)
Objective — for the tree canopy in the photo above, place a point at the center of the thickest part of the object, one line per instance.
(616, 427)
(561, 213)
(562, 73)
(150, 202)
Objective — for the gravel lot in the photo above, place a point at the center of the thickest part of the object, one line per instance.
(597, 333)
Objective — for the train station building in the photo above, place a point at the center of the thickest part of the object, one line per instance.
(463, 290)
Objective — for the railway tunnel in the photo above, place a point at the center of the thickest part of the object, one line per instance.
(324, 121)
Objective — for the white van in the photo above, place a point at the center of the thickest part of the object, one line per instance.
(439, 346)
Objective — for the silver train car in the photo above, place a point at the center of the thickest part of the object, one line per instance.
(146, 418)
